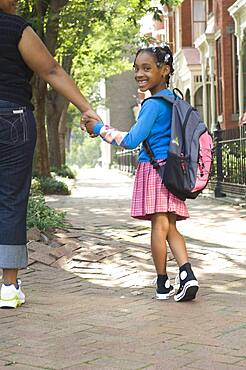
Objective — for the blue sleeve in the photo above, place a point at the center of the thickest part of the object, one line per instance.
(138, 132)
(97, 128)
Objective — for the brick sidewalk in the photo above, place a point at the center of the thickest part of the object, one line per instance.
(89, 302)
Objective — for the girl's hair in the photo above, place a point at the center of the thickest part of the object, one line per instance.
(162, 54)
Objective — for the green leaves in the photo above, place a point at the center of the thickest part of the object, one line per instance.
(171, 3)
(99, 36)
(39, 214)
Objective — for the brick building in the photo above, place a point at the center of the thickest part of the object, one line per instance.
(238, 13)
(208, 39)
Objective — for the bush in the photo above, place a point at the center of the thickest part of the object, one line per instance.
(36, 187)
(49, 185)
(39, 214)
(64, 171)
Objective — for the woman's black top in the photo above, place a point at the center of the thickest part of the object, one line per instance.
(14, 73)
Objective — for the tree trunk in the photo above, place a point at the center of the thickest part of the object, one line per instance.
(68, 139)
(56, 121)
(63, 133)
(41, 161)
(54, 107)
(53, 8)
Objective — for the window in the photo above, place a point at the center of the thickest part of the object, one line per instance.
(235, 102)
(199, 18)
(209, 108)
(219, 76)
(199, 101)
(210, 6)
(177, 30)
(244, 79)
(187, 96)
(244, 72)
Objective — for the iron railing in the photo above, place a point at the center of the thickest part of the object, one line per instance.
(230, 162)
(127, 160)
(229, 168)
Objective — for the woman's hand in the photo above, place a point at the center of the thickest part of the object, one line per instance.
(90, 114)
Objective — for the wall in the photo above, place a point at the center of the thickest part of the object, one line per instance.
(119, 91)
(224, 24)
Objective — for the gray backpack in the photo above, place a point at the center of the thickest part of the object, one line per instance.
(188, 166)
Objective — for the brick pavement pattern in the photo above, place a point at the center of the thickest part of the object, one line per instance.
(90, 300)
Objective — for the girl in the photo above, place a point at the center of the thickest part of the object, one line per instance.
(151, 200)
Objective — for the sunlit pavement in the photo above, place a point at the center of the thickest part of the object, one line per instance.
(96, 310)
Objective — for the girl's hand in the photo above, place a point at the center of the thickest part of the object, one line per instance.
(87, 115)
(90, 124)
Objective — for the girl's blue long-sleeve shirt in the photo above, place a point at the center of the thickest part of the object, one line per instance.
(153, 124)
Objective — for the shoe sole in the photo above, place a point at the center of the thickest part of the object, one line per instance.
(188, 293)
(164, 296)
(13, 303)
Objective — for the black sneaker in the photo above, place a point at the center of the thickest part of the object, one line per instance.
(188, 284)
(164, 289)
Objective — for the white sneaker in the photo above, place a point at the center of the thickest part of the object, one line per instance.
(11, 297)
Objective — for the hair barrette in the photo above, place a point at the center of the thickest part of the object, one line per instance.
(167, 57)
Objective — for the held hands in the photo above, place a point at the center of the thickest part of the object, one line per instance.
(88, 121)
(90, 124)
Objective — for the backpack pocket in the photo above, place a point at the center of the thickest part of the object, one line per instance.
(204, 164)
(172, 175)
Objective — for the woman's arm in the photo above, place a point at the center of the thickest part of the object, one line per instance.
(40, 61)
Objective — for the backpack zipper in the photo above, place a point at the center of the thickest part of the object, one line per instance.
(188, 113)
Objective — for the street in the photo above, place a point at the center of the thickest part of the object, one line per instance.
(90, 302)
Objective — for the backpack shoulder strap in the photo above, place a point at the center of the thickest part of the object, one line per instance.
(148, 150)
(167, 98)
(170, 99)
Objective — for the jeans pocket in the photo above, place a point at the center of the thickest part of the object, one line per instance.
(13, 126)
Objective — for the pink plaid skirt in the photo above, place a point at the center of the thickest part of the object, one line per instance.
(151, 196)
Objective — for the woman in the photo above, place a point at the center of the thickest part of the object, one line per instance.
(21, 53)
